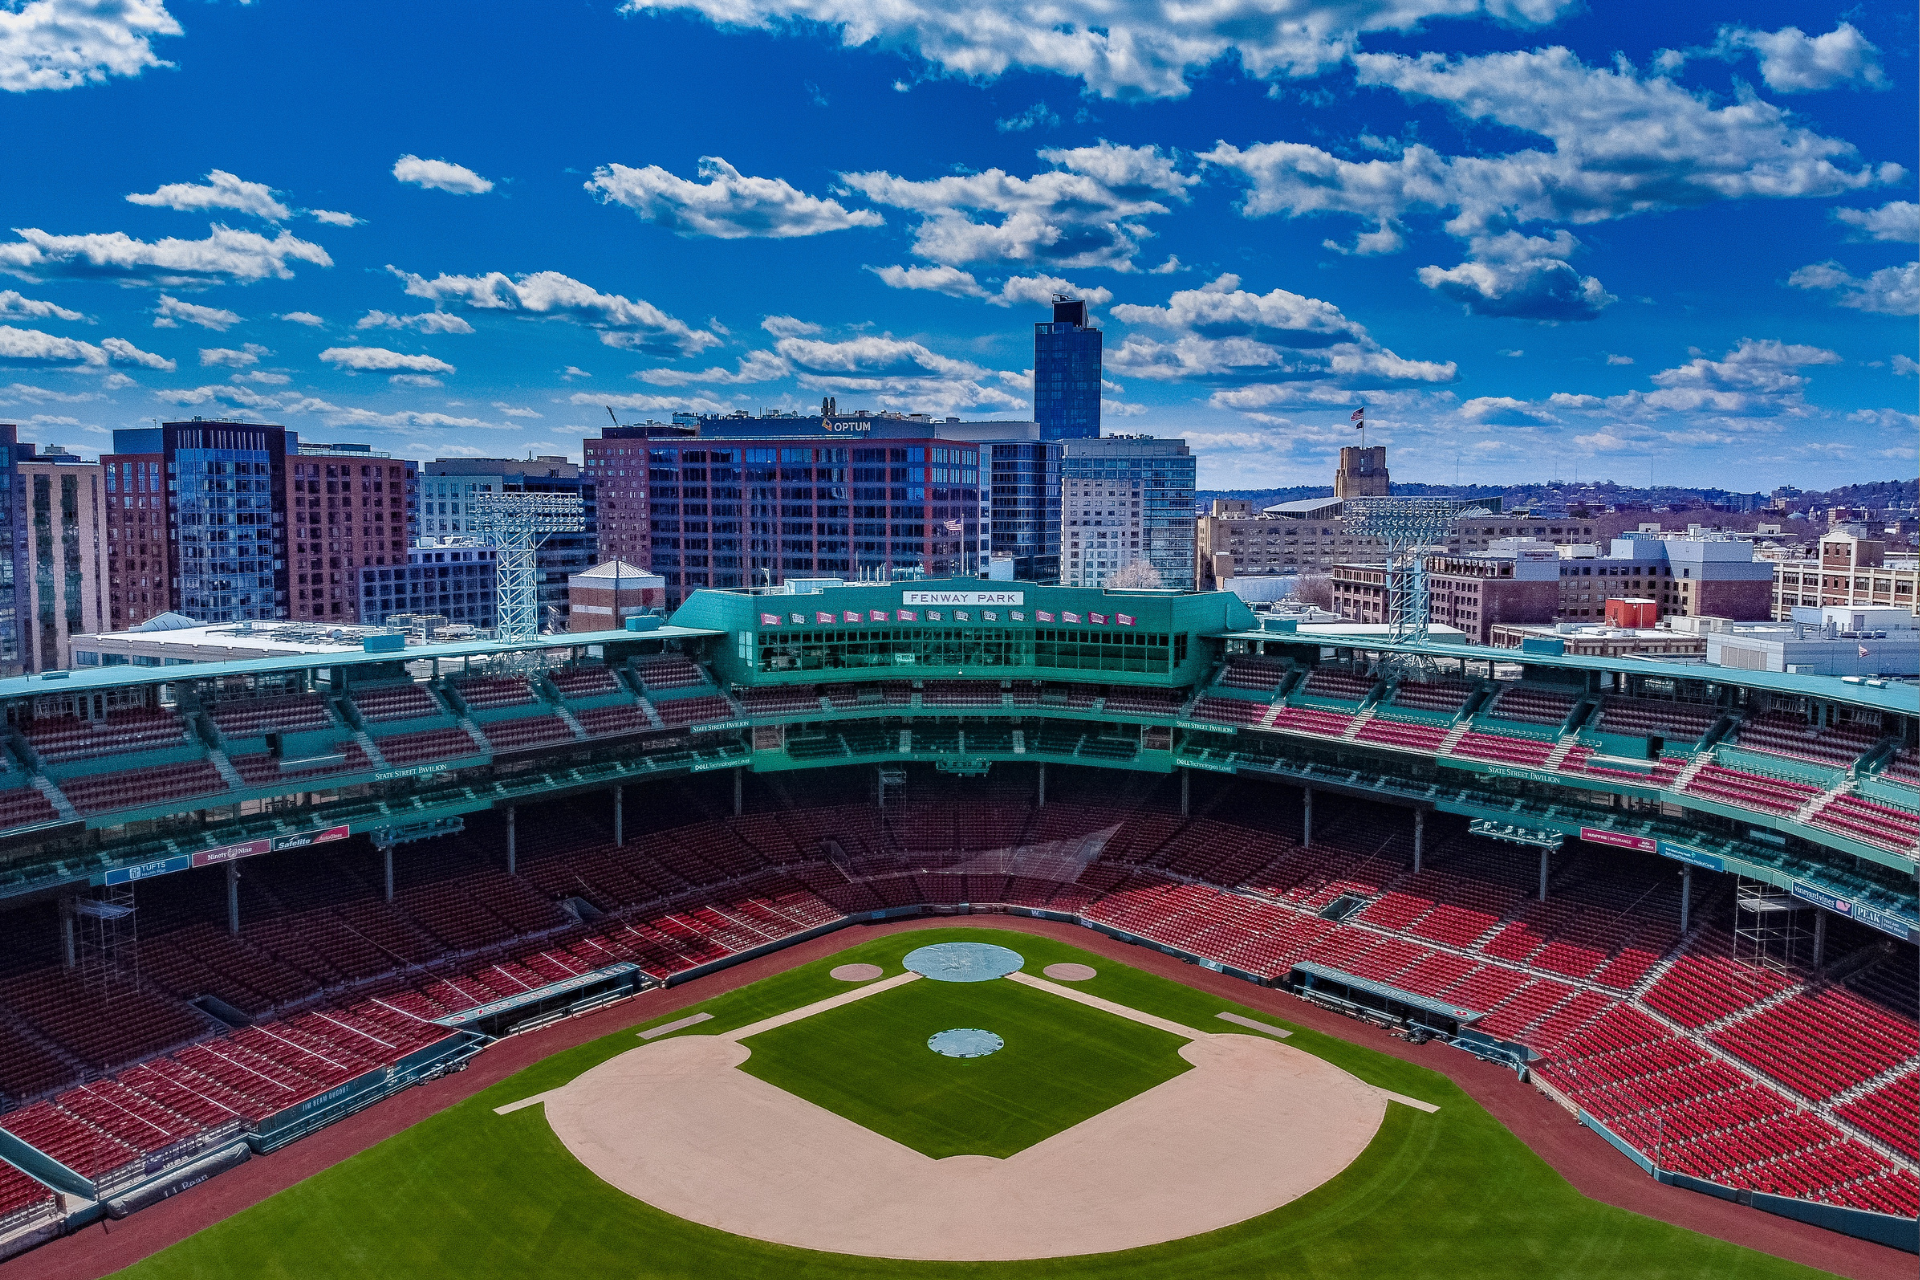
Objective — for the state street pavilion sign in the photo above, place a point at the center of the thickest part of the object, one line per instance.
(1550, 840)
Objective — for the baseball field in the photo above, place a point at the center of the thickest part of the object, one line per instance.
(1116, 1108)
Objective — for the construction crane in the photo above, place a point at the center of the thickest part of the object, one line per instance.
(516, 524)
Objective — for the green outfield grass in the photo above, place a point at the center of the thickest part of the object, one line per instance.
(469, 1195)
(868, 1061)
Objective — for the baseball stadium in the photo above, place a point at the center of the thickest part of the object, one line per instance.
(951, 928)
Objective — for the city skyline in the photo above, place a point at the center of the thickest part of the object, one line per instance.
(1709, 282)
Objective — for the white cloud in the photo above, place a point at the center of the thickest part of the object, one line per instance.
(62, 44)
(1616, 359)
(172, 311)
(639, 403)
(263, 377)
(1897, 220)
(15, 307)
(1893, 291)
(415, 380)
(1086, 212)
(379, 359)
(439, 175)
(1129, 51)
(1620, 143)
(424, 322)
(893, 373)
(1524, 277)
(32, 347)
(1224, 333)
(1037, 290)
(755, 366)
(1905, 366)
(306, 318)
(1791, 61)
(239, 257)
(788, 327)
(622, 322)
(22, 392)
(728, 204)
(1037, 116)
(574, 371)
(223, 190)
(227, 357)
(334, 218)
(872, 356)
(513, 411)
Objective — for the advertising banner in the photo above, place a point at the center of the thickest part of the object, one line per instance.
(1692, 856)
(1619, 839)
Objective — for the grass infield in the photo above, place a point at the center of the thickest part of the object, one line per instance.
(868, 1061)
(468, 1194)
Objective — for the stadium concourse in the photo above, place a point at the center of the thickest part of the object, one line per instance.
(243, 900)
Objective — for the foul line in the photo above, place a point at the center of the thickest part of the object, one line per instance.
(678, 1024)
(1279, 1033)
(1118, 1010)
(1404, 1100)
(512, 1107)
(821, 1006)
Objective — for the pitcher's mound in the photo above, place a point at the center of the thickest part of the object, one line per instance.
(855, 972)
(1069, 972)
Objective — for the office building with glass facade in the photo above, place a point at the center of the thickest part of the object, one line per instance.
(450, 487)
(1066, 374)
(13, 553)
(452, 578)
(754, 501)
(1126, 498)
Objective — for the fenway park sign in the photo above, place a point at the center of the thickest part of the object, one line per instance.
(963, 598)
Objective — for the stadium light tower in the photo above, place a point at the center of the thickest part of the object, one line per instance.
(516, 524)
(1408, 526)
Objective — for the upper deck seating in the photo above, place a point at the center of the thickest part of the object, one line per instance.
(1445, 696)
(1417, 736)
(155, 784)
(669, 671)
(1144, 702)
(959, 693)
(782, 701)
(527, 731)
(118, 733)
(1782, 733)
(259, 769)
(1751, 790)
(677, 713)
(395, 702)
(1650, 717)
(286, 713)
(1230, 710)
(1493, 746)
(427, 744)
(584, 682)
(24, 806)
(490, 693)
(1903, 766)
(1333, 682)
(1259, 675)
(1874, 821)
(1313, 720)
(1532, 704)
(601, 722)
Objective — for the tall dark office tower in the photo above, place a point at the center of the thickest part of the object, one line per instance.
(13, 553)
(1026, 506)
(1066, 374)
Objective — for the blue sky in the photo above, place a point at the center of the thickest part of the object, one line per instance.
(1533, 237)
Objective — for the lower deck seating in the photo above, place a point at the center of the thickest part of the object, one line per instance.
(1717, 1063)
(677, 713)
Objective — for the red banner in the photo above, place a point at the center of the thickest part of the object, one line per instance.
(769, 619)
(1619, 839)
(823, 617)
(1124, 619)
(1042, 615)
(1069, 617)
(876, 615)
(909, 615)
(1097, 619)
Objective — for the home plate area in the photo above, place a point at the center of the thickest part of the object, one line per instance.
(875, 1141)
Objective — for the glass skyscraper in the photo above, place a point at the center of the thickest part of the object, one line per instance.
(1126, 498)
(1025, 513)
(227, 513)
(1066, 374)
(13, 553)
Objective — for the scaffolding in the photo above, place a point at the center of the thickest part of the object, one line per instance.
(108, 942)
(1768, 932)
(516, 524)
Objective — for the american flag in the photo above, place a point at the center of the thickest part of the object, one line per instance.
(1359, 417)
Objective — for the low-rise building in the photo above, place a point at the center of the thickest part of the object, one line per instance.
(1850, 571)
(1600, 641)
(605, 596)
(173, 639)
(452, 578)
(1517, 580)
(1825, 641)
